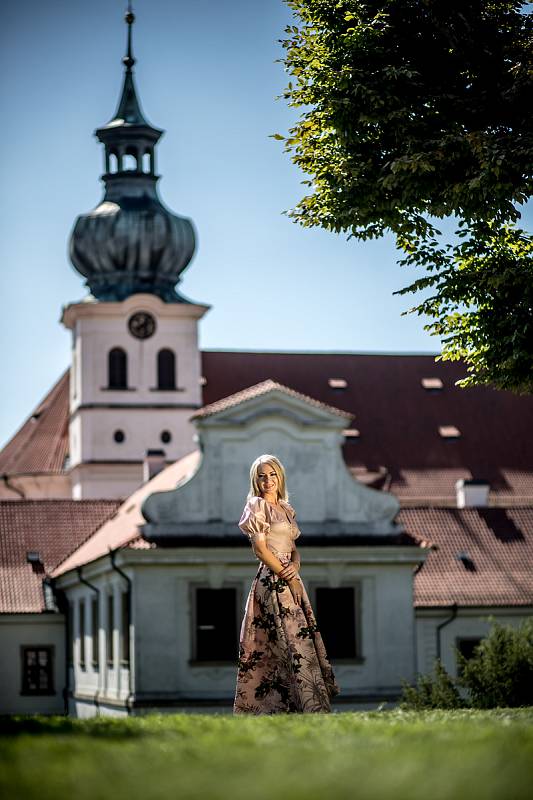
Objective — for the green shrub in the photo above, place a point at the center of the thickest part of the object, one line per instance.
(500, 673)
(431, 691)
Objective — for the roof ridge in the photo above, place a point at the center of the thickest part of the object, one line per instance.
(415, 353)
(261, 388)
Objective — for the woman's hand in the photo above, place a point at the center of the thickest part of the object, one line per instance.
(290, 571)
(296, 590)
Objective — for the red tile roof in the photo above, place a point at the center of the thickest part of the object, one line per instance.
(265, 387)
(484, 556)
(53, 528)
(41, 444)
(399, 419)
(122, 530)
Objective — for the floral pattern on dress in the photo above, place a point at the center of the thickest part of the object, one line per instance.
(282, 665)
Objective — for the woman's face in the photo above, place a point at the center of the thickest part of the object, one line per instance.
(267, 479)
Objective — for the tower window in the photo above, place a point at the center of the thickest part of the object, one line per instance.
(119, 436)
(113, 162)
(166, 369)
(129, 162)
(117, 369)
(166, 437)
(146, 162)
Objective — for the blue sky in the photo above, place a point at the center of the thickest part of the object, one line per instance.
(206, 72)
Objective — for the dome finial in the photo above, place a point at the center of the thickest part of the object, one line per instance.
(128, 59)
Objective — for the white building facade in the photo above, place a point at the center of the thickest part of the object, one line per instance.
(189, 581)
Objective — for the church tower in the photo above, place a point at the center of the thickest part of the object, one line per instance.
(135, 373)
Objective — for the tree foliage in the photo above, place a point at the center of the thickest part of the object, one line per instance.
(431, 691)
(498, 675)
(413, 111)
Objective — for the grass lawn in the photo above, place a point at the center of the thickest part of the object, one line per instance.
(411, 756)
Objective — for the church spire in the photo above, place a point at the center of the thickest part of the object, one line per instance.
(131, 242)
(129, 110)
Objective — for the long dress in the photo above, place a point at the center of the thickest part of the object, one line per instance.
(283, 665)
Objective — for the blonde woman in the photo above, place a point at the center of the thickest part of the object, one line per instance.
(283, 666)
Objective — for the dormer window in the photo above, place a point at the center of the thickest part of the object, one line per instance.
(449, 432)
(337, 383)
(351, 434)
(432, 384)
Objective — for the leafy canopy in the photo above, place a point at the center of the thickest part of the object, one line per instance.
(416, 110)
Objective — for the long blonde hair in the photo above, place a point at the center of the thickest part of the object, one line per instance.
(278, 468)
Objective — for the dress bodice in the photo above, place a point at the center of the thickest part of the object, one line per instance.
(276, 525)
(283, 530)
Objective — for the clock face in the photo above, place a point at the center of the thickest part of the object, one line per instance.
(141, 325)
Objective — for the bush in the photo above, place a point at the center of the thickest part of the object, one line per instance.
(431, 691)
(500, 673)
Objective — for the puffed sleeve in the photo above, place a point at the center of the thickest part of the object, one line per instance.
(253, 521)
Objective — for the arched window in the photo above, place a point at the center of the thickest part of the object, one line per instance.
(113, 162)
(129, 162)
(166, 369)
(117, 369)
(146, 163)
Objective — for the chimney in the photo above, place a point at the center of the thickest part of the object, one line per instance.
(154, 462)
(472, 493)
(34, 558)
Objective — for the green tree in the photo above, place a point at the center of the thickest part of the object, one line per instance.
(413, 111)
(501, 671)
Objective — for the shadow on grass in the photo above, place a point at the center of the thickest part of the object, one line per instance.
(105, 727)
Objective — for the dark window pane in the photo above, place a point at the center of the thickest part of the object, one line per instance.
(37, 676)
(109, 631)
(95, 630)
(466, 647)
(216, 625)
(70, 633)
(125, 628)
(82, 633)
(166, 369)
(117, 369)
(335, 616)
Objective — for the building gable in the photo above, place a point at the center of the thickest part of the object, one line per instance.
(306, 436)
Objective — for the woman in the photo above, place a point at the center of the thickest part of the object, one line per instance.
(283, 666)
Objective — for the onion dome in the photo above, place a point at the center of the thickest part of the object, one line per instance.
(131, 242)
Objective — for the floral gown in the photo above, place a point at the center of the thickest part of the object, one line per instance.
(283, 666)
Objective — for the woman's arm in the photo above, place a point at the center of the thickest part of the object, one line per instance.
(291, 570)
(267, 556)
